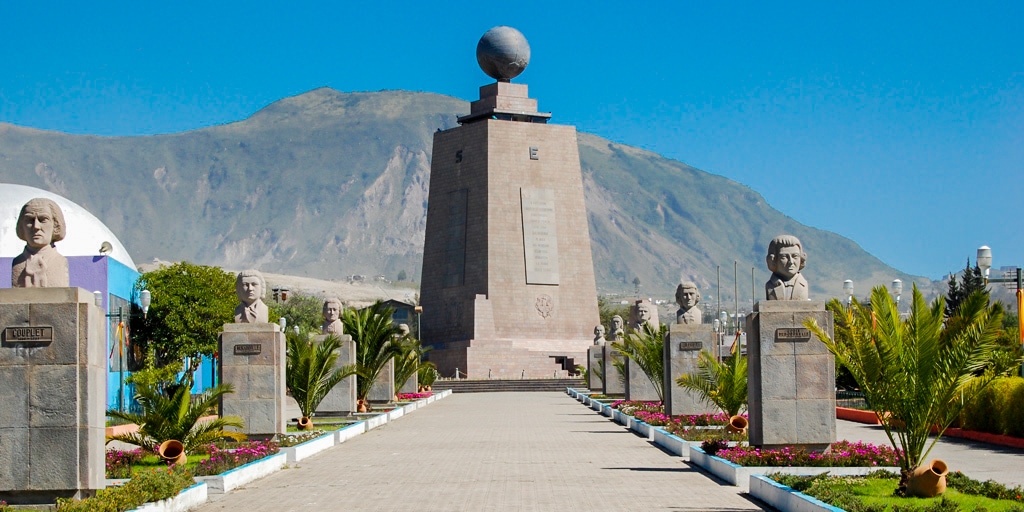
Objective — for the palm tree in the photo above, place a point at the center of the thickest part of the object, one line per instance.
(174, 415)
(646, 348)
(310, 372)
(722, 384)
(408, 362)
(913, 371)
(372, 330)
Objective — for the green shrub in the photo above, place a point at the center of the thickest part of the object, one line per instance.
(998, 409)
(144, 487)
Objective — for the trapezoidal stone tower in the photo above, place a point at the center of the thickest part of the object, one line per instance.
(508, 285)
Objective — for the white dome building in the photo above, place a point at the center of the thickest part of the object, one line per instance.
(85, 233)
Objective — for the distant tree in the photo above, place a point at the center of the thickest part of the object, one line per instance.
(191, 304)
(973, 280)
(401, 275)
(305, 311)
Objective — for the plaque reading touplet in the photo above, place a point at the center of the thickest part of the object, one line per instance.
(248, 349)
(792, 334)
(540, 238)
(686, 346)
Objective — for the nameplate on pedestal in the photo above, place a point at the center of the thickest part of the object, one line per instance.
(689, 346)
(28, 335)
(792, 334)
(248, 349)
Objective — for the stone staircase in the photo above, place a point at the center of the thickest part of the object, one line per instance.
(497, 385)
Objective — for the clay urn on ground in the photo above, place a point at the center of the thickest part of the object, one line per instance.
(305, 423)
(172, 452)
(737, 425)
(928, 480)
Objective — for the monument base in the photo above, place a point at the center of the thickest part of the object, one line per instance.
(595, 367)
(638, 384)
(791, 376)
(341, 400)
(252, 360)
(683, 345)
(510, 359)
(614, 380)
(383, 389)
(53, 374)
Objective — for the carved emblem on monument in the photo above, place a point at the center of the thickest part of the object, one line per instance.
(545, 305)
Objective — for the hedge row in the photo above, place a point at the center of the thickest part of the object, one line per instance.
(998, 409)
(144, 487)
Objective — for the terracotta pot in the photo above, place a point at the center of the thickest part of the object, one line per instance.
(428, 388)
(737, 425)
(305, 423)
(361, 406)
(928, 480)
(172, 452)
(419, 389)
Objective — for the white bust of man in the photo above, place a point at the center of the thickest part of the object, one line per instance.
(40, 225)
(786, 259)
(687, 296)
(249, 286)
(332, 317)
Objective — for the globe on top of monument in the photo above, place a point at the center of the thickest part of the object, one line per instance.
(503, 53)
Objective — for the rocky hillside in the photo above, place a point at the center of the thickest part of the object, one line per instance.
(329, 184)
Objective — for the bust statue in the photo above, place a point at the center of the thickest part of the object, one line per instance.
(599, 335)
(786, 258)
(644, 313)
(249, 286)
(617, 331)
(687, 297)
(40, 225)
(403, 330)
(332, 317)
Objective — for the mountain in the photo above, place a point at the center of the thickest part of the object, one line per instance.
(328, 184)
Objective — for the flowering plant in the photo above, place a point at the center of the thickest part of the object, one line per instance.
(224, 459)
(119, 462)
(414, 396)
(841, 454)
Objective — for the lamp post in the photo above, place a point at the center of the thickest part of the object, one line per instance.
(848, 290)
(984, 262)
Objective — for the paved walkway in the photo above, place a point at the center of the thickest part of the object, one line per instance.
(491, 451)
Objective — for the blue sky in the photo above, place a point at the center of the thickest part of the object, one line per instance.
(899, 125)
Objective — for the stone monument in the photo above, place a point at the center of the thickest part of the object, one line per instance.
(618, 333)
(595, 359)
(41, 225)
(332, 317)
(687, 297)
(683, 345)
(54, 378)
(249, 285)
(791, 375)
(643, 312)
(252, 360)
(508, 280)
(383, 389)
(341, 399)
(614, 381)
(638, 385)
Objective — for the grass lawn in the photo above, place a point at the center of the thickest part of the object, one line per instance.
(878, 491)
(153, 461)
(323, 425)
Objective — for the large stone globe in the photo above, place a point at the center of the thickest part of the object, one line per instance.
(503, 53)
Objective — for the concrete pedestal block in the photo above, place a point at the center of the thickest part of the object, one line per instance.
(595, 366)
(683, 345)
(638, 384)
(791, 376)
(252, 360)
(614, 383)
(383, 389)
(53, 376)
(411, 386)
(342, 398)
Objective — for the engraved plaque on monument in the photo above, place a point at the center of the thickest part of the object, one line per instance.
(682, 351)
(540, 237)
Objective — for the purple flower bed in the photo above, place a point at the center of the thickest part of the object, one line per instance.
(414, 396)
(841, 454)
(119, 462)
(225, 459)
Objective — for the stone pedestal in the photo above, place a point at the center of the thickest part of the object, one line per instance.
(383, 389)
(411, 386)
(508, 286)
(682, 348)
(53, 377)
(252, 360)
(595, 366)
(638, 385)
(614, 383)
(791, 376)
(341, 399)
